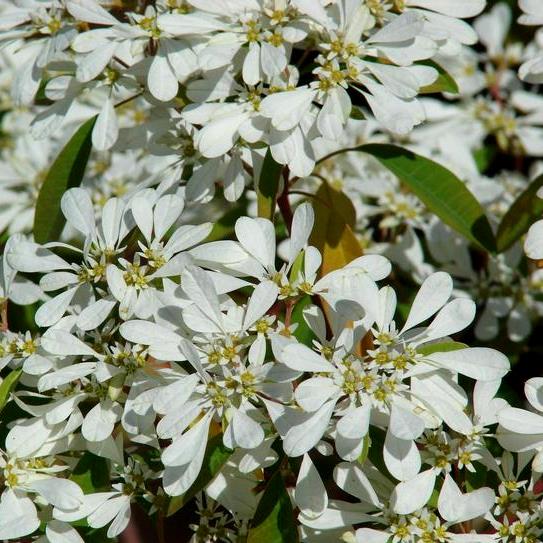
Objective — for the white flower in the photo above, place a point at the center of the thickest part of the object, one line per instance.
(521, 430)
(28, 479)
(532, 70)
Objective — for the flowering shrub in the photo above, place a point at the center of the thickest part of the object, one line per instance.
(270, 271)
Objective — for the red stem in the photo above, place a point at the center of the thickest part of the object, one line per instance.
(284, 207)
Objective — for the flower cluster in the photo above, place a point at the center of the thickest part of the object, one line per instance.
(264, 272)
(152, 342)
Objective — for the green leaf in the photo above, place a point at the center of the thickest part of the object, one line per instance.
(365, 450)
(225, 226)
(66, 172)
(444, 82)
(484, 156)
(91, 473)
(7, 385)
(439, 189)
(95, 535)
(268, 187)
(443, 347)
(303, 333)
(375, 451)
(297, 267)
(215, 457)
(274, 518)
(357, 113)
(526, 209)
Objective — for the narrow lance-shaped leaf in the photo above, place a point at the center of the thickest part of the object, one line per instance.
(526, 209)
(66, 172)
(7, 385)
(438, 188)
(215, 457)
(268, 187)
(274, 521)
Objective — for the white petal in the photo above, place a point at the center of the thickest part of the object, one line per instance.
(457, 507)
(368, 535)
(312, 393)
(32, 258)
(65, 375)
(387, 307)
(453, 317)
(533, 388)
(116, 282)
(106, 127)
(252, 72)
(167, 211)
(27, 437)
(187, 236)
(273, 59)
(77, 207)
(188, 24)
(142, 211)
(100, 420)
(404, 424)
(310, 494)
(107, 511)
(287, 108)
(112, 215)
(478, 363)
(61, 493)
(161, 80)
(200, 289)
(62, 342)
(51, 311)
(95, 314)
(533, 245)
(432, 296)
(402, 28)
(520, 421)
(18, 515)
(60, 532)
(350, 478)
(262, 298)
(377, 267)
(301, 358)
(257, 237)
(355, 424)
(121, 520)
(219, 136)
(173, 396)
(454, 8)
(243, 432)
(58, 280)
(411, 495)
(303, 437)
(90, 12)
(401, 456)
(94, 63)
(302, 225)
(185, 448)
